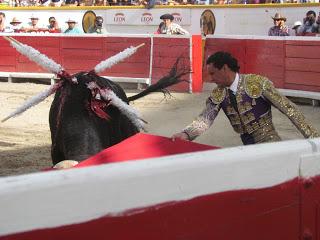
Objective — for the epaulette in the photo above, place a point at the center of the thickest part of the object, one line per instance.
(253, 85)
(218, 95)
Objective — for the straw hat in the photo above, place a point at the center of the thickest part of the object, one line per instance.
(34, 17)
(15, 20)
(278, 16)
(71, 21)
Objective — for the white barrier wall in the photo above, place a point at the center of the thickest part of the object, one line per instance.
(229, 19)
(60, 198)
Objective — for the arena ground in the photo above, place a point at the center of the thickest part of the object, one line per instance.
(25, 140)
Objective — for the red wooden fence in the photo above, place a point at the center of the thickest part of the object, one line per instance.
(83, 53)
(290, 64)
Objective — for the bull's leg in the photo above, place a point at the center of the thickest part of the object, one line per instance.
(56, 155)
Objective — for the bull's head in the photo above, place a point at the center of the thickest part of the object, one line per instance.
(98, 90)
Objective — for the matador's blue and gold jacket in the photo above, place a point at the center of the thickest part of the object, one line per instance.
(250, 113)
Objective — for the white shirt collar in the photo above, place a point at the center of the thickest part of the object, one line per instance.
(235, 83)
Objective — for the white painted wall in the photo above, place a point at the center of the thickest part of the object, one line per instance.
(230, 19)
(57, 198)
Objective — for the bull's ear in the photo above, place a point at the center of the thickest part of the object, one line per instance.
(35, 56)
(111, 61)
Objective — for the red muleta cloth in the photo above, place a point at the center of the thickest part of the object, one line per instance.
(142, 146)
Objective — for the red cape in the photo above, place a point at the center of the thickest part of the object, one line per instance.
(141, 146)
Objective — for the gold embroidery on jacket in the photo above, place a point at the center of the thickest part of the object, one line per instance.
(253, 85)
(218, 95)
(289, 109)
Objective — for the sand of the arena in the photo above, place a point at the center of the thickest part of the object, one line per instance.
(25, 140)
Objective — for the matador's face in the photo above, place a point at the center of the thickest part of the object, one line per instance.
(218, 76)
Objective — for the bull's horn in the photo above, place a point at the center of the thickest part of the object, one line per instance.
(35, 55)
(108, 63)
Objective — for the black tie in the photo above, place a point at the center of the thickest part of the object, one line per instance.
(233, 100)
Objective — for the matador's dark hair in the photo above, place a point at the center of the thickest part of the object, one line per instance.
(311, 12)
(221, 58)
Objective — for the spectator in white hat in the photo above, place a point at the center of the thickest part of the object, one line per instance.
(72, 29)
(295, 28)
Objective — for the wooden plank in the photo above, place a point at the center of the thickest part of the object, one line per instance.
(302, 78)
(91, 54)
(8, 60)
(29, 67)
(302, 51)
(171, 42)
(303, 64)
(81, 43)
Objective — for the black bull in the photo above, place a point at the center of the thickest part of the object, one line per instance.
(77, 132)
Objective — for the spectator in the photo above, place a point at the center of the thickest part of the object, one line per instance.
(44, 3)
(98, 26)
(279, 28)
(309, 24)
(56, 3)
(71, 3)
(86, 3)
(295, 28)
(159, 30)
(170, 27)
(72, 27)
(53, 25)
(101, 3)
(15, 25)
(32, 25)
(3, 27)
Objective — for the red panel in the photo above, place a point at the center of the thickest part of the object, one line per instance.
(197, 63)
(137, 65)
(128, 41)
(7, 51)
(302, 42)
(277, 45)
(82, 43)
(81, 54)
(7, 68)
(303, 51)
(303, 64)
(29, 67)
(170, 51)
(171, 41)
(303, 78)
(40, 42)
(265, 56)
(128, 68)
(77, 65)
(8, 60)
(274, 73)
(310, 202)
(264, 214)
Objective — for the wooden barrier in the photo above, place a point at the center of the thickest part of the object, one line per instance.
(290, 62)
(82, 53)
(227, 194)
